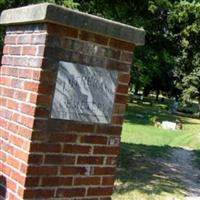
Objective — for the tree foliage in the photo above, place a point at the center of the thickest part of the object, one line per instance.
(153, 63)
(184, 23)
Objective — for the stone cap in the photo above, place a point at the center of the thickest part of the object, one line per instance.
(52, 13)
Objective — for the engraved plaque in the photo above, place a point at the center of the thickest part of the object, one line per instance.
(84, 93)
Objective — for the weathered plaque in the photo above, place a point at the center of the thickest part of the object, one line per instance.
(84, 93)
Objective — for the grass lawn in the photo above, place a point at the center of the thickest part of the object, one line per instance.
(139, 176)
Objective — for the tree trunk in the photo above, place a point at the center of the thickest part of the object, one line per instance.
(157, 94)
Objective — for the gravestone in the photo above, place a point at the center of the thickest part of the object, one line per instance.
(64, 84)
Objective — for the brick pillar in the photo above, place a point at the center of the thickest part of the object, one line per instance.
(48, 157)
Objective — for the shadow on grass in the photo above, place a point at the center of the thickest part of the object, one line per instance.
(139, 170)
(197, 158)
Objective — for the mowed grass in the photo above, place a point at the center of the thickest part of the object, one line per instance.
(139, 176)
(139, 128)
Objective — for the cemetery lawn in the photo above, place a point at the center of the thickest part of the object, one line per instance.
(145, 165)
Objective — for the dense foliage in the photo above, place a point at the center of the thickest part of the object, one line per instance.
(184, 22)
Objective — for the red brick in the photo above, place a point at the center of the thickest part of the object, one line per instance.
(47, 76)
(34, 62)
(70, 192)
(106, 150)
(25, 73)
(92, 139)
(99, 191)
(80, 149)
(38, 39)
(20, 191)
(118, 120)
(27, 121)
(12, 162)
(40, 136)
(18, 177)
(7, 60)
(41, 100)
(23, 168)
(21, 155)
(8, 92)
(33, 98)
(6, 50)
(31, 86)
(87, 181)
(16, 140)
(32, 181)
(104, 170)
(42, 170)
(77, 127)
(59, 159)
(25, 132)
(12, 127)
(12, 196)
(111, 130)
(15, 83)
(45, 89)
(88, 36)
(126, 57)
(40, 51)
(38, 193)
(27, 109)
(91, 160)
(5, 81)
(41, 112)
(73, 170)
(21, 95)
(62, 31)
(111, 161)
(10, 39)
(114, 141)
(63, 137)
(124, 77)
(36, 75)
(122, 89)
(45, 147)
(15, 50)
(12, 104)
(119, 44)
(3, 157)
(11, 185)
(121, 99)
(35, 159)
(24, 39)
(116, 65)
(29, 50)
(101, 39)
(57, 181)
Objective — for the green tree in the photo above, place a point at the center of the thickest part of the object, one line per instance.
(184, 21)
(153, 63)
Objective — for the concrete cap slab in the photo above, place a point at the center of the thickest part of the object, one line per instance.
(47, 12)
